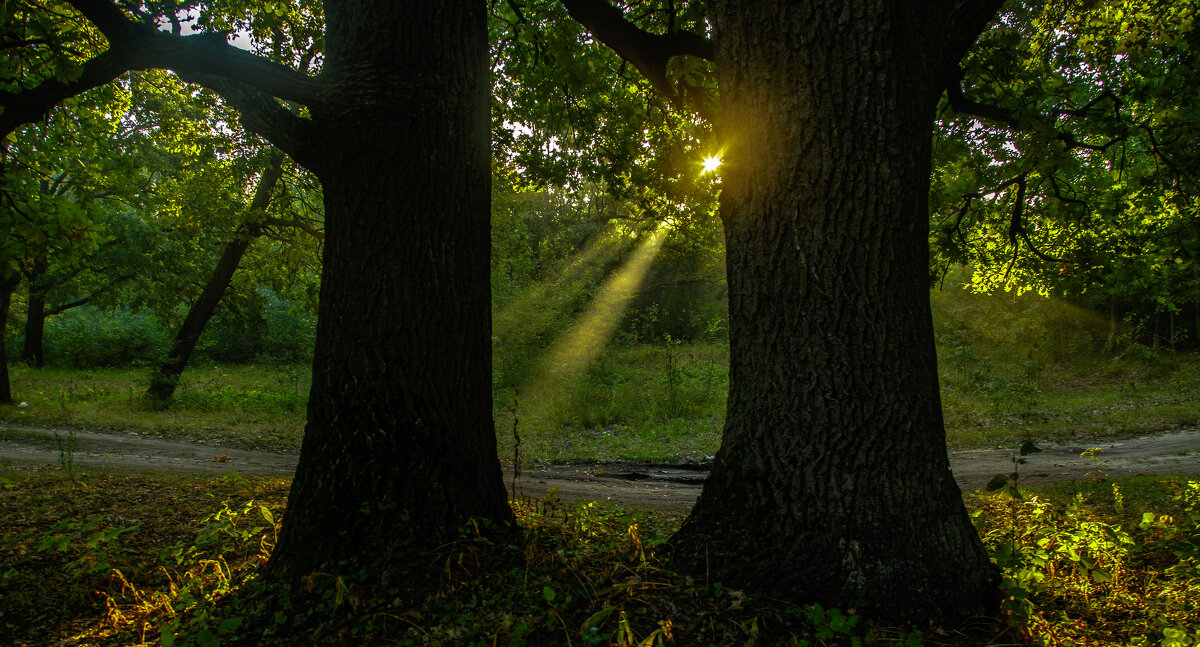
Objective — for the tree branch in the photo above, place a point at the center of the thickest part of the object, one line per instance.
(18, 108)
(296, 223)
(50, 311)
(138, 46)
(962, 105)
(649, 53)
(960, 23)
(1016, 226)
(263, 115)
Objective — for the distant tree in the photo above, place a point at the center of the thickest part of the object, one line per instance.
(61, 187)
(9, 279)
(166, 378)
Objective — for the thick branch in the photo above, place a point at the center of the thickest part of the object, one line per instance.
(208, 53)
(263, 115)
(962, 105)
(20, 108)
(137, 46)
(649, 53)
(960, 23)
(106, 16)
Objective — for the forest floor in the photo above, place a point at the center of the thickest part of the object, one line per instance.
(669, 487)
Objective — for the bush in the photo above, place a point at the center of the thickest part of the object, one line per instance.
(88, 337)
(291, 330)
(267, 326)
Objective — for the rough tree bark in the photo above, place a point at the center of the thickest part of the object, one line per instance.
(166, 379)
(8, 283)
(832, 483)
(32, 352)
(399, 444)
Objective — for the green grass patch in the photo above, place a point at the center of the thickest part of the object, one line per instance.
(1010, 368)
(635, 402)
(242, 405)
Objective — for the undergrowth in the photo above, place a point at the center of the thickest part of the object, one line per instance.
(121, 559)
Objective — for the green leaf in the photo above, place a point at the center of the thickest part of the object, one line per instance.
(548, 594)
(229, 625)
(998, 481)
(267, 514)
(598, 618)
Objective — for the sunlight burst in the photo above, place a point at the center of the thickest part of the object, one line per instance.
(710, 164)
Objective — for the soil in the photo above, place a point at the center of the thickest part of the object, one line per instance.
(670, 487)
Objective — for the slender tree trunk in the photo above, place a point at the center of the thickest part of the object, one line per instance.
(164, 381)
(1114, 325)
(8, 283)
(832, 483)
(1156, 338)
(399, 451)
(32, 352)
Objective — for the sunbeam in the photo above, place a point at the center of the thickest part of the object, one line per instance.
(574, 351)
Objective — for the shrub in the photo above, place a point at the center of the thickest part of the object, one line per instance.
(88, 337)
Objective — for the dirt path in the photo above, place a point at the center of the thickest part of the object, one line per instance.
(665, 488)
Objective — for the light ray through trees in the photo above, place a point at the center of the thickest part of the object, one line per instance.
(536, 307)
(569, 356)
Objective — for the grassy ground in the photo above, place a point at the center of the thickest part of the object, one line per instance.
(240, 405)
(661, 401)
(112, 558)
(1010, 368)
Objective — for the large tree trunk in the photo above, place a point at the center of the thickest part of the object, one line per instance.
(8, 283)
(832, 481)
(32, 352)
(164, 381)
(399, 451)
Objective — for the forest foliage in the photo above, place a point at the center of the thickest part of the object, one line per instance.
(1066, 166)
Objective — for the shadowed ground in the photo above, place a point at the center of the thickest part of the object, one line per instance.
(665, 487)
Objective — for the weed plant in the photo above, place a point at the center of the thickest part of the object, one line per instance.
(118, 559)
(1091, 569)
